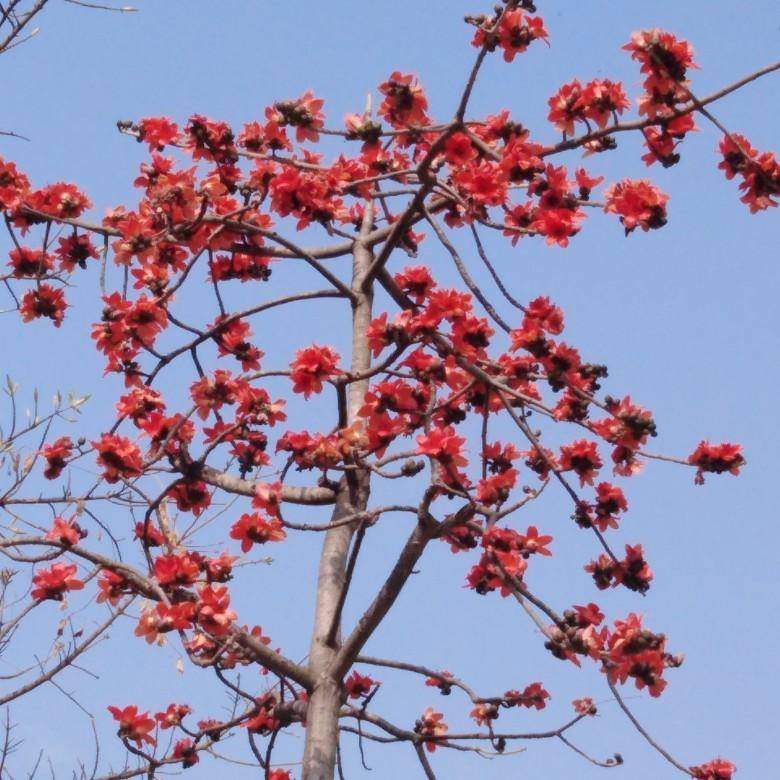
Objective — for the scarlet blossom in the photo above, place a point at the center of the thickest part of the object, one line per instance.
(633, 571)
(717, 769)
(610, 501)
(232, 338)
(172, 716)
(185, 750)
(431, 728)
(253, 528)
(557, 225)
(75, 250)
(459, 150)
(268, 496)
(112, 587)
(717, 459)
(161, 619)
(584, 706)
(59, 200)
(495, 489)
(279, 774)
(545, 314)
(44, 301)
(158, 132)
(534, 695)
(220, 569)
(119, 457)
(56, 455)
(516, 31)
(404, 102)
(263, 721)
(140, 403)
(628, 426)
(211, 393)
(484, 712)
(582, 458)
(416, 282)
(191, 496)
(665, 61)
(444, 445)
(759, 172)
(311, 366)
(149, 534)
(208, 139)
(53, 583)
(638, 203)
(212, 611)
(133, 725)
(442, 682)
(67, 532)
(30, 263)
(14, 185)
(532, 542)
(482, 184)
(180, 568)
(303, 114)
(358, 685)
(239, 265)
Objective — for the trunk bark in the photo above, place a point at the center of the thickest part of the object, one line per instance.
(322, 719)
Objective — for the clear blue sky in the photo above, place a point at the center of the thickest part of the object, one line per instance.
(686, 318)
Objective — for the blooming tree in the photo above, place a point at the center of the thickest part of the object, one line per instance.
(439, 396)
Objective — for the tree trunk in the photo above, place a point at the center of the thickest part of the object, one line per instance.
(322, 719)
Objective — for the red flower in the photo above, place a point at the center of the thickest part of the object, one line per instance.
(432, 728)
(30, 263)
(59, 200)
(582, 458)
(534, 695)
(44, 301)
(185, 750)
(112, 587)
(56, 455)
(516, 32)
(760, 172)
(75, 250)
(717, 459)
(584, 706)
(610, 501)
(442, 444)
(214, 616)
(311, 366)
(303, 114)
(532, 543)
(172, 716)
(717, 769)
(176, 569)
(191, 496)
(357, 685)
(14, 185)
(638, 203)
(458, 150)
(133, 725)
(158, 132)
(66, 532)
(149, 534)
(404, 102)
(54, 582)
(255, 529)
(120, 458)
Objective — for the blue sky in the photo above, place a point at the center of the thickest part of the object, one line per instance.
(686, 319)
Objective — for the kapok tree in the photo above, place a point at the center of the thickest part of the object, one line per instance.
(440, 396)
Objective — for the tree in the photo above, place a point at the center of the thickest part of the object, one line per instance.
(474, 415)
